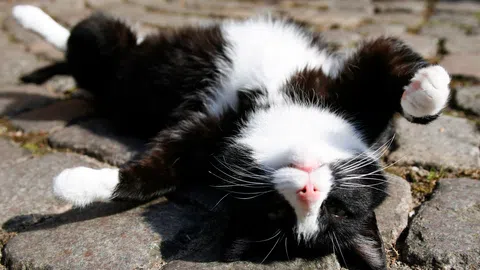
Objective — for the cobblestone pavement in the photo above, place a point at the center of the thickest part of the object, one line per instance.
(430, 221)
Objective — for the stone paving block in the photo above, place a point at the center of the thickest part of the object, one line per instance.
(326, 263)
(54, 116)
(96, 137)
(362, 6)
(115, 236)
(403, 6)
(468, 98)
(61, 7)
(376, 30)
(463, 44)
(448, 142)
(45, 50)
(425, 46)
(442, 30)
(10, 152)
(25, 189)
(96, 4)
(16, 33)
(409, 20)
(341, 38)
(445, 234)
(464, 64)
(15, 99)
(393, 213)
(15, 63)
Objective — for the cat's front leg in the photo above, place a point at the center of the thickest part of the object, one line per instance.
(427, 94)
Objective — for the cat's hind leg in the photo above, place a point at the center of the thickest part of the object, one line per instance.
(177, 155)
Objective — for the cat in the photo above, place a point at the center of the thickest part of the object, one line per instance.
(259, 109)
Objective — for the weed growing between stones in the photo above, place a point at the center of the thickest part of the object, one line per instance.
(35, 142)
(423, 179)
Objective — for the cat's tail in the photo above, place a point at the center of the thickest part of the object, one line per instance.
(36, 20)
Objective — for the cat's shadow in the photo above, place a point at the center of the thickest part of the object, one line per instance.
(190, 224)
(24, 107)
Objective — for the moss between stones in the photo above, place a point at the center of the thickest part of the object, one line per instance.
(423, 180)
(35, 142)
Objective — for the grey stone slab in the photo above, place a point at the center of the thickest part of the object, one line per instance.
(463, 44)
(376, 30)
(97, 138)
(341, 38)
(53, 116)
(16, 33)
(15, 99)
(45, 50)
(448, 142)
(445, 234)
(26, 186)
(442, 30)
(402, 6)
(115, 236)
(326, 263)
(10, 152)
(409, 20)
(323, 20)
(463, 64)
(15, 63)
(96, 4)
(468, 98)
(425, 46)
(392, 214)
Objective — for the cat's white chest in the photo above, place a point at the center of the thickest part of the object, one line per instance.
(264, 54)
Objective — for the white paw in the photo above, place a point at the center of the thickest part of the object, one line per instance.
(428, 92)
(81, 185)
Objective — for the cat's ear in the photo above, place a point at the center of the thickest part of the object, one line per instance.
(367, 249)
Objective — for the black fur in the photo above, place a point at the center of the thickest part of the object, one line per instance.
(163, 81)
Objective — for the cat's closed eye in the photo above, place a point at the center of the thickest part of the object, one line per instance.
(336, 209)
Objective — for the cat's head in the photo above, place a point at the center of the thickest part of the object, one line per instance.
(309, 170)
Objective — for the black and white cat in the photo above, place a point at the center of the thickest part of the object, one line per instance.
(259, 109)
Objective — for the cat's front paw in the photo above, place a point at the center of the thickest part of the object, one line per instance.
(81, 186)
(428, 92)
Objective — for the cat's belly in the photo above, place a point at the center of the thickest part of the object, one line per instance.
(264, 54)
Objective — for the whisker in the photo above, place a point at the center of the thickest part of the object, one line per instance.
(248, 198)
(238, 179)
(275, 234)
(369, 159)
(386, 144)
(373, 157)
(341, 253)
(347, 188)
(219, 201)
(271, 250)
(286, 249)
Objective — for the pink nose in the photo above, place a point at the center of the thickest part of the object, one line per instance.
(309, 194)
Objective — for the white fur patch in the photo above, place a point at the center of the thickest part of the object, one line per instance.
(81, 186)
(264, 54)
(428, 92)
(34, 19)
(293, 134)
